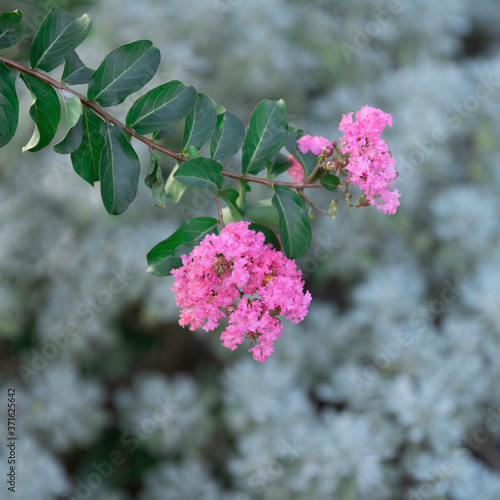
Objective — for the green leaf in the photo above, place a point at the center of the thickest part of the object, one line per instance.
(166, 255)
(154, 179)
(124, 71)
(266, 135)
(162, 106)
(58, 35)
(192, 152)
(200, 123)
(45, 111)
(231, 213)
(262, 212)
(294, 224)
(280, 164)
(9, 104)
(119, 169)
(86, 158)
(330, 182)
(74, 128)
(173, 188)
(227, 137)
(307, 160)
(9, 21)
(200, 173)
(75, 72)
(268, 233)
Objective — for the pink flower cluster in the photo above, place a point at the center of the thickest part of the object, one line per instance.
(236, 275)
(370, 165)
(314, 145)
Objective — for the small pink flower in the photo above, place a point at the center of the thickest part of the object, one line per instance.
(295, 171)
(236, 275)
(370, 165)
(314, 145)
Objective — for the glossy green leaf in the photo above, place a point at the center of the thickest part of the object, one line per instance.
(200, 173)
(119, 169)
(231, 213)
(162, 106)
(294, 224)
(154, 179)
(262, 212)
(166, 255)
(227, 137)
(330, 182)
(74, 128)
(86, 158)
(266, 135)
(173, 188)
(307, 160)
(75, 72)
(268, 233)
(9, 22)
(280, 164)
(45, 111)
(200, 123)
(58, 35)
(124, 71)
(9, 104)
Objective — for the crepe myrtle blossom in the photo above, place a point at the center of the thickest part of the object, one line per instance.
(370, 164)
(237, 275)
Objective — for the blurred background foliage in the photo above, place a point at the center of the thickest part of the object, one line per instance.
(388, 390)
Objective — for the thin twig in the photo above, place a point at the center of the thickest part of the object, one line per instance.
(312, 204)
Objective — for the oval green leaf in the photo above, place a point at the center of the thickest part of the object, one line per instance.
(166, 255)
(75, 72)
(227, 137)
(74, 128)
(9, 104)
(294, 225)
(9, 21)
(200, 173)
(85, 159)
(119, 169)
(266, 135)
(307, 160)
(45, 111)
(200, 123)
(124, 71)
(58, 35)
(162, 106)
(330, 182)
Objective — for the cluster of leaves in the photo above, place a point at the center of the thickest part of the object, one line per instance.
(101, 147)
